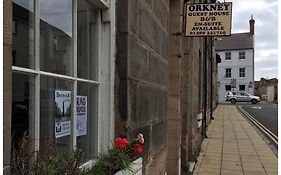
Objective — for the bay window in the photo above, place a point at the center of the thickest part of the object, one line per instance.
(56, 74)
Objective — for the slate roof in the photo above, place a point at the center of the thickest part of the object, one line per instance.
(236, 41)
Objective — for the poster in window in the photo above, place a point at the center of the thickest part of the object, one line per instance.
(81, 124)
(63, 112)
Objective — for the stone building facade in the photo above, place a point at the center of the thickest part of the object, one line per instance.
(267, 89)
(164, 83)
(7, 83)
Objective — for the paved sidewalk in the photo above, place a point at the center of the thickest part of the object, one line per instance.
(234, 147)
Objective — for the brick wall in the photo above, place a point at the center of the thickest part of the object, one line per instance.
(142, 72)
(7, 82)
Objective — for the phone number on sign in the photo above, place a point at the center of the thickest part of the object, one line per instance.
(208, 33)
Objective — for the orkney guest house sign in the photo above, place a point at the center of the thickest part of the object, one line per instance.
(208, 19)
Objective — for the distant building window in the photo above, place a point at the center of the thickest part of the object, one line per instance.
(228, 73)
(228, 87)
(241, 72)
(241, 55)
(241, 87)
(227, 55)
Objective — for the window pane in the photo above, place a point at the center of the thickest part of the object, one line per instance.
(87, 139)
(87, 46)
(241, 87)
(23, 32)
(228, 55)
(241, 55)
(22, 106)
(56, 36)
(227, 87)
(56, 112)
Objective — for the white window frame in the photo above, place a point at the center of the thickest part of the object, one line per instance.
(37, 73)
(242, 74)
(242, 55)
(228, 57)
(227, 73)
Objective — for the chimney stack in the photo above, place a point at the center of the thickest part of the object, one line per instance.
(252, 25)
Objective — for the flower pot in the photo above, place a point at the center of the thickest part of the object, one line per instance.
(135, 168)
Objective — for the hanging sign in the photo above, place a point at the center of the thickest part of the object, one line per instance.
(81, 110)
(63, 112)
(208, 19)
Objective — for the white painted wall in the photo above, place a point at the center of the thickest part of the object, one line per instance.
(270, 93)
(235, 63)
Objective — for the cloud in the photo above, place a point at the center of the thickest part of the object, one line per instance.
(266, 41)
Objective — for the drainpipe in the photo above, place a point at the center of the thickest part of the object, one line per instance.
(205, 89)
(211, 85)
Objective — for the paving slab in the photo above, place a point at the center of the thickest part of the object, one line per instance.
(233, 147)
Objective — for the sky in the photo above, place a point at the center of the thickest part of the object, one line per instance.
(265, 15)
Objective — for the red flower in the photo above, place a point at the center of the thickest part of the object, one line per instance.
(139, 148)
(121, 143)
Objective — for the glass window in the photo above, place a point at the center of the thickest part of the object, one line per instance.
(87, 139)
(56, 97)
(241, 72)
(56, 36)
(241, 55)
(228, 87)
(227, 55)
(22, 106)
(228, 73)
(87, 38)
(23, 34)
(242, 87)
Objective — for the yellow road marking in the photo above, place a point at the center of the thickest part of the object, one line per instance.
(261, 126)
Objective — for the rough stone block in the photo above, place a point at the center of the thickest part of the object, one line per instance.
(139, 104)
(175, 45)
(174, 66)
(174, 128)
(173, 148)
(150, 35)
(165, 45)
(159, 135)
(173, 166)
(176, 7)
(161, 12)
(157, 70)
(175, 24)
(174, 85)
(138, 60)
(133, 16)
(7, 101)
(162, 104)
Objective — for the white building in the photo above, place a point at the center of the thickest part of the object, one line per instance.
(236, 70)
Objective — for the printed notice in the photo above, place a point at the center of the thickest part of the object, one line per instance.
(63, 112)
(62, 129)
(81, 123)
(208, 19)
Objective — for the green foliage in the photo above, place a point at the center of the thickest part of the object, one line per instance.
(58, 163)
(46, 162)
(111, 162)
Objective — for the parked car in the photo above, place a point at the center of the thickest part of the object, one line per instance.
(234, 97)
